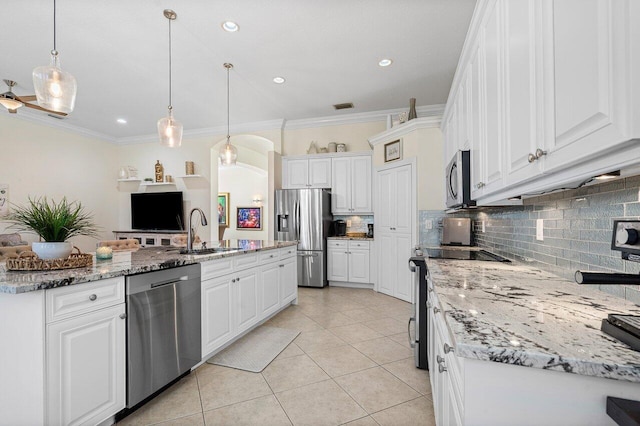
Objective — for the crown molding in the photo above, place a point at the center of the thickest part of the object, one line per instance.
(403, 129)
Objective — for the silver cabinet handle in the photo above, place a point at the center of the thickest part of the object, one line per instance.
(233, 280)
(439, 359)
(412, 342)
(93, 297)
(531, 158)
(442, 368)
(479, 185)
(436, 310)
(123, 316)
(447, 348)
(281, 266)
(540, 153)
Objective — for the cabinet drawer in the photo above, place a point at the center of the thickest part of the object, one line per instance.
(288, 252)
(66, 302)
(268, 256)
(245, 260)
(343, 244)
(364, 245)
(216, 268)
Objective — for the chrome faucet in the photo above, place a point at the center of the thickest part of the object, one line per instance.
(203, 220)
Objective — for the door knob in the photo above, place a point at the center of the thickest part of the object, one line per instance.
(531, 158)
(439, 359)
(442, 368)
(123, 316)
(540, 153)
(93, 297)
(447, 348)
(479, 185)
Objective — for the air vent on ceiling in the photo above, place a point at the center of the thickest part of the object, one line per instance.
(343, 106)
(56, 116)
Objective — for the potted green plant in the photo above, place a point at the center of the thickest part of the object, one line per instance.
(54, 223)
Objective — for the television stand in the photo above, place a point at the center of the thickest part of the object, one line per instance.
(149, 238)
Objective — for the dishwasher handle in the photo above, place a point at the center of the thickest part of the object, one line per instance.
(169, 282)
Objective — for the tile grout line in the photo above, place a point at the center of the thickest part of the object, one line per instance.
(274, 394)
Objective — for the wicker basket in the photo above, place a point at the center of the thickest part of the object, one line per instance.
(356, 234)
(29, 261)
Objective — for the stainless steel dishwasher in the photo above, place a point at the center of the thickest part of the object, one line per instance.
(163, 329)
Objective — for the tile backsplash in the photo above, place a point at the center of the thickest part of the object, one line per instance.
(577, 229)
(358, 223)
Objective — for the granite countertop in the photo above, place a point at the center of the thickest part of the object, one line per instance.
(351, 238)
(516, 314)
(125, 263)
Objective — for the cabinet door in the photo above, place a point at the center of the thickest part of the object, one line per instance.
(246, 300)
(491, 37)
(269, 293)
(522, 83)
(217, 319)
(341, 185)
(319, 173)
(361, 185)
(385, 209)
(337, 264)
(288, 280)
(401, 198)
(296, 173)
(404, 278)
(476, 117)
(86, 367)
(591, 79)
(386, 267)
(358, 266)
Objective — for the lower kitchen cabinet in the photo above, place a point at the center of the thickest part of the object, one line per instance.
(86, 367)
(217, 318)
(288, 280)
(348, 262)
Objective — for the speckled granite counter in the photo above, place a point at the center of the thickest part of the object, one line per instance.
(124, 263)
(520, 315)
(350, 238)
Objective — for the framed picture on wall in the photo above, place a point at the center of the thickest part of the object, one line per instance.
(223, 209)
(249, 218)
(393, 150)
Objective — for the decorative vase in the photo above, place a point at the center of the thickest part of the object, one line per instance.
(159, 170)
(47, 251)
(412, 109)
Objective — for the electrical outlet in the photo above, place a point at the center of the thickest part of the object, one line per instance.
(539, 229)
(483, 230)
(428, 223)
(348, 224)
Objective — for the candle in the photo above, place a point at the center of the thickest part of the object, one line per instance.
(104, 252)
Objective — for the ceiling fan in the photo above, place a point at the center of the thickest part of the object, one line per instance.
(12, 102)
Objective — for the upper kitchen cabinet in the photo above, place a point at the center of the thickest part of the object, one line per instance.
(351, 185)
(306, 173)
(543, 94)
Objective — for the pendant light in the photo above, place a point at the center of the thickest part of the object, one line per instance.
(228, 153)
(55, 89)
(170, 129)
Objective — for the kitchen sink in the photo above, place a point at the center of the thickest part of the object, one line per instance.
(211, 250)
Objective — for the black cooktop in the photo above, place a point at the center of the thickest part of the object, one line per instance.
(462, 254)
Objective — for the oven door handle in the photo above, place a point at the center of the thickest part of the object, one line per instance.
(412, 342)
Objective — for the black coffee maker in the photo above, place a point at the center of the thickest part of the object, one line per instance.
(339, 228)
(370, 230)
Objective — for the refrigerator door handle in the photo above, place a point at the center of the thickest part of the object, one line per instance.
(298, 219)
(308, 255)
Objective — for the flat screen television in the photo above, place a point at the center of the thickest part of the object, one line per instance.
(157, 211)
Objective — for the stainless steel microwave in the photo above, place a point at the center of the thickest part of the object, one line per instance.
(458, 181)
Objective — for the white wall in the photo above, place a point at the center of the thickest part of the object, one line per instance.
(38, 160)
(355, 136)
(244, 183)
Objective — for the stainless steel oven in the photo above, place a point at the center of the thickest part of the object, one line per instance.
(458, 181)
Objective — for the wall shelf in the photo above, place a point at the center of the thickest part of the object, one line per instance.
(129, 180)
(157, 183)
(189, 176)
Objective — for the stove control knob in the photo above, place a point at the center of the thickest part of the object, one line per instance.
(628, 236)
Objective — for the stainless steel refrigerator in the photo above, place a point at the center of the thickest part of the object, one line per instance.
(304, 215)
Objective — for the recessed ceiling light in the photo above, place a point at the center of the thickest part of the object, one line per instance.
(230, 26)
(121, 121)
(385, 62)
(278, 80)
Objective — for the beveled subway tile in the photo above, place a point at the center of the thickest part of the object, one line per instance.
(264, 411)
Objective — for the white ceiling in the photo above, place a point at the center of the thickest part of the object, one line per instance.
(328, 52)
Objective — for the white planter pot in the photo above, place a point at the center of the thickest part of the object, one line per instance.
(52, 250)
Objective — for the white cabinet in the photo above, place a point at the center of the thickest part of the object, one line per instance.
(306, 173)
(394, 204)
(85, 361)
(288, 280)
(245, 284)
(348, 262)
(269, 294)
(394, 277)
(217, 316)
(351, 185)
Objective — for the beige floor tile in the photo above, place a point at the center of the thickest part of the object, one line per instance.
(292, 373)
(303, 323)
(416, 412)
(362, 315)
(229, 387)
(406, 371)
(289, 351)
(383, 350)
(180, 400)
(193, 420)
(264, 411)
(365, 421)
(319, 404)
(316, 340)
(387, 326)
(376, 389)
(401, 338)
(341, 360)
(335, 319)
(342, 306)
(355, 333)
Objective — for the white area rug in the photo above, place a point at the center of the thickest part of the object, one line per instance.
(256, 350)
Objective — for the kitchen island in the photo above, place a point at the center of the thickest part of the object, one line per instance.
(513, 344)
(63, 332)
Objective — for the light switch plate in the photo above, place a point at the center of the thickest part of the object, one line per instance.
(428, 224)
(348, 224)
(539, 229)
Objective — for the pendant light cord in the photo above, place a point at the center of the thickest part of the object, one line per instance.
(54, 26)
(228, 113)
(170, 107)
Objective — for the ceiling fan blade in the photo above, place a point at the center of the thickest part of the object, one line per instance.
(38, 107)
(25, 99)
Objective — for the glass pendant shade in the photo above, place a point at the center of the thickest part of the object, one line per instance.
(55, 88)
(228, 154)
(10, 104)
(170, 131)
